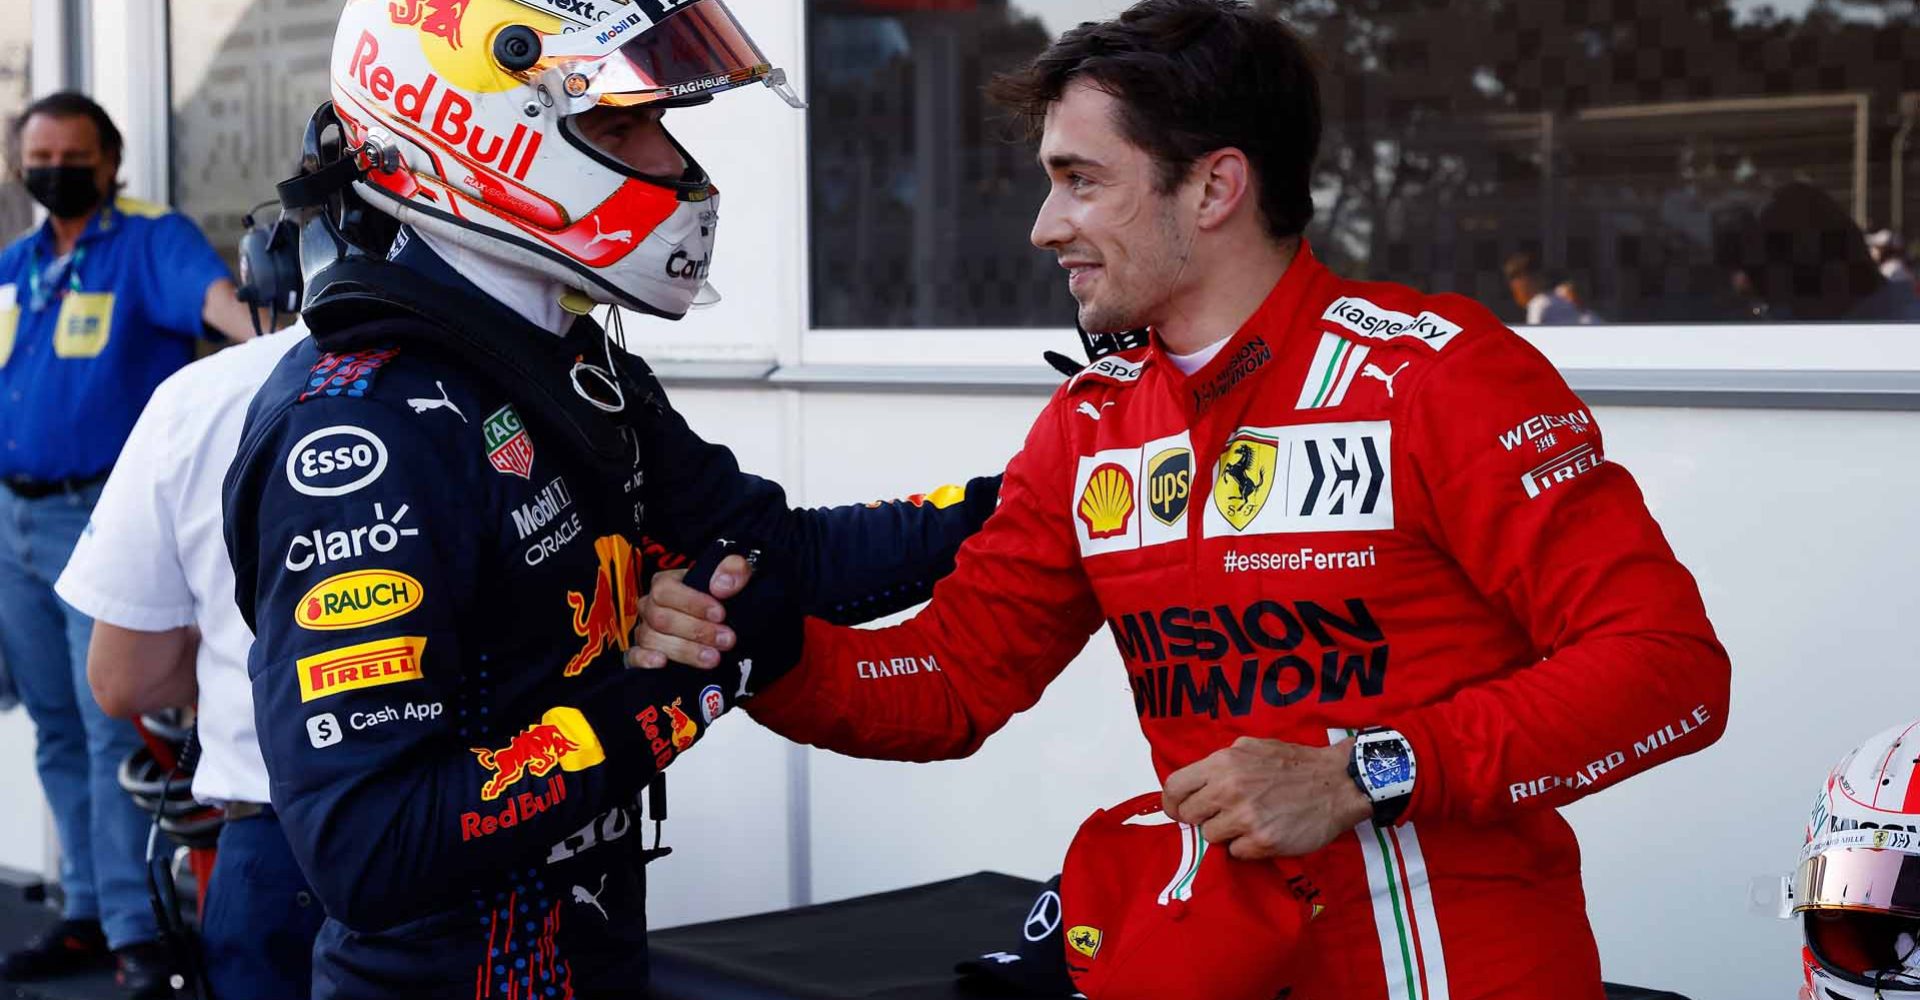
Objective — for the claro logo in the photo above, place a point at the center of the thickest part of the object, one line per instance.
(335, 461)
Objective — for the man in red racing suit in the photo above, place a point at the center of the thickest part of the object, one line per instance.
(1372, 507)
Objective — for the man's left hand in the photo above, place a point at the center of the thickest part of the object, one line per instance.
(1264, 798)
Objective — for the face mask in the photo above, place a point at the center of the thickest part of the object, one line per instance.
(67, 192)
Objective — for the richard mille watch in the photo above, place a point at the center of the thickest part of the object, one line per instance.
(1383, 767)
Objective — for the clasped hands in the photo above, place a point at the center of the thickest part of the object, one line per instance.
(1260, 798)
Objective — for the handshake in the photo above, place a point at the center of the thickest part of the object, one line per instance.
(707, 617)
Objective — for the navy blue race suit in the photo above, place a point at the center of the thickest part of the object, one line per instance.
(442, 550)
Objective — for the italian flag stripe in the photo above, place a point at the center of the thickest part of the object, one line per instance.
(1410, 951)
(1192, 848)
(1335, 363)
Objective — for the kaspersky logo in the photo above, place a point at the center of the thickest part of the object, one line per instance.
(561, 739)
(606, 620)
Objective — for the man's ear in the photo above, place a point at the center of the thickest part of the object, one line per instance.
(1226, 183)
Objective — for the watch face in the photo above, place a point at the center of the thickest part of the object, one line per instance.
(1385, 767)
(1386, 763)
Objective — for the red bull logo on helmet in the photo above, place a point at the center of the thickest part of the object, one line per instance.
(561, 739)
(606, 620)
(435, 17)
(442, 112)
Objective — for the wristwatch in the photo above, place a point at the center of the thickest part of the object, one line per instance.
(1383, 767)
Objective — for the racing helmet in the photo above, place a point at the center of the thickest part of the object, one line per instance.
(1856, 891)
(462, 112)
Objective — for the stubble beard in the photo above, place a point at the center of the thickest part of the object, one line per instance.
(1156, 268)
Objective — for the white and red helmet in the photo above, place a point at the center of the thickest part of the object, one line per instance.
(477, 96)
(1856, 891)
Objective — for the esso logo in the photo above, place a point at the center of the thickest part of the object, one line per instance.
(335, 461)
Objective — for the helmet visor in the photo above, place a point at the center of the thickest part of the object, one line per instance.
(1866, 949)
(1860, 878)
(691, 53)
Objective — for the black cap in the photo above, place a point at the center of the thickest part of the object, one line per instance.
(1036, 966)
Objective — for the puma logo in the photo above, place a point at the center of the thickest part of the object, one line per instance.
(602, 236)
(581, 895)
(443, 403)
(1374, 371)
(1087, 408)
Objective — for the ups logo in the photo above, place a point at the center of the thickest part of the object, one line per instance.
(1169, 481)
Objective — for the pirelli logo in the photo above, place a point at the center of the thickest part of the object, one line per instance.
(363, 665)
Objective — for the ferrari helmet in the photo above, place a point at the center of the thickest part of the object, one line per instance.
(462, 111)
(1856, 891)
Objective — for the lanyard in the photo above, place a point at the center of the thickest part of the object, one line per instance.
(36, 290)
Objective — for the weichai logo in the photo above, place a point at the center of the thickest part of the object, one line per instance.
(1206, 661)
(443, 111)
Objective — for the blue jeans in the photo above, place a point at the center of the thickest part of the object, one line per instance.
(261, 918)
(78, 748)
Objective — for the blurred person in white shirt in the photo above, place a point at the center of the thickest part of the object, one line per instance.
(152, 570)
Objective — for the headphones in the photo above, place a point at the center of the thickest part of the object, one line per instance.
(270, 267)
(321, 219)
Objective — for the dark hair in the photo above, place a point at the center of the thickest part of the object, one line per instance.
(1521, 265)
(69, 104)
(1191, 77)
(1804, 255)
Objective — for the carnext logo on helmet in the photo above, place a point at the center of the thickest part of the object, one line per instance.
(619, 28)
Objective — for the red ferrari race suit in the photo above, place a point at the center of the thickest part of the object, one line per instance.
(1372, 507)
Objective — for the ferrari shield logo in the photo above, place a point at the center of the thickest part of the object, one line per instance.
(1246, 477)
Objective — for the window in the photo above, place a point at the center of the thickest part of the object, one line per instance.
(16, 90)
(922, 193)
(246, 75)
(1655, 161)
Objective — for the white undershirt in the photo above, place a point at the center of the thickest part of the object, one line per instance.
(531, 294)
(1190, 363)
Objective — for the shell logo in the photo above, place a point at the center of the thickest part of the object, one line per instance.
(1106, 505)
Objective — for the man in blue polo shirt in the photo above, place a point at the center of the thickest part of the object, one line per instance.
(97, 306)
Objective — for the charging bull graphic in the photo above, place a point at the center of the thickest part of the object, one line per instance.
(561, 739)
(435, 17)
(536, 750)
(607, 621)
(683, 730)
